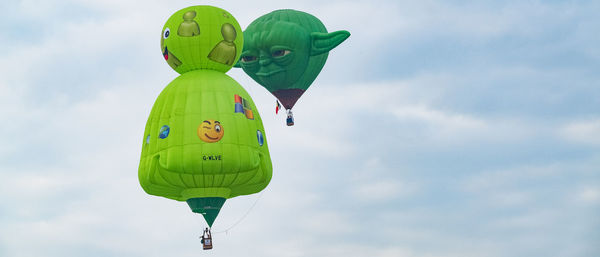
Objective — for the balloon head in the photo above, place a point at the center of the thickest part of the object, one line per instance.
(201, 37)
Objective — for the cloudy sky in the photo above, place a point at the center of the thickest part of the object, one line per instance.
(439, 128)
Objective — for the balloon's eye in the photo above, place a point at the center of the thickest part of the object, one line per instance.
(280, 53)
(248, 58)
(166, 33)
(218, 128)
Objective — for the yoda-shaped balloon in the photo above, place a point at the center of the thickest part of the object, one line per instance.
(285, 50)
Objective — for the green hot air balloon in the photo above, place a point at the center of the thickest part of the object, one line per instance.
(204, 141)
(285, 50)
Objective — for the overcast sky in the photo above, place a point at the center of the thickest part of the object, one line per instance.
(439, 128)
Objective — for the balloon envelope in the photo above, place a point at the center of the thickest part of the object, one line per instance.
(215, 147)
(285, 50)
(204, 140)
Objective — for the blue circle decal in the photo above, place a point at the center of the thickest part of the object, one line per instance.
(148, 139)
(164, 132)
(259, 135)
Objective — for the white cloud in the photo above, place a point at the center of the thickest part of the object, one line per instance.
(383, 190)
(583, 132)
(589, 195)
(509, 177)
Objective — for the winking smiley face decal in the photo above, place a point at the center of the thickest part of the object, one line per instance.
(210, 131)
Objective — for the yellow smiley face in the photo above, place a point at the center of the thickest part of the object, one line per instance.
(210, 131)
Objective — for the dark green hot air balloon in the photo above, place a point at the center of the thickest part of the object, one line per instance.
(285, 50)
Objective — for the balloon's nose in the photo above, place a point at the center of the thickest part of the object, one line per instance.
(265, 60)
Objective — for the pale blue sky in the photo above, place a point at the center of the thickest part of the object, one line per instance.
(439, 128)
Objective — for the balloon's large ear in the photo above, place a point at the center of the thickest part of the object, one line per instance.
(324, 42)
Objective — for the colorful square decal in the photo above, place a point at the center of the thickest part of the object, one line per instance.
(243, 106)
